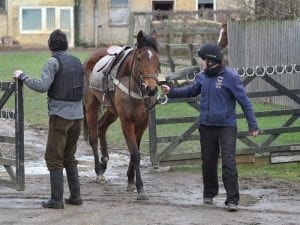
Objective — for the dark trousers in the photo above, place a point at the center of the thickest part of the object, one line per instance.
(214, 139)
(62, 140)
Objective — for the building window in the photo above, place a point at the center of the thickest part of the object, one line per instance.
(119, 12)
(31, 19)
(205, 8)
(159, 6)
(50, 18)
(205, 4)
(45, 19)
(2, 6)
(163, 5)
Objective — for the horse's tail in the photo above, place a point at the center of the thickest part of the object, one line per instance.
(85, 126)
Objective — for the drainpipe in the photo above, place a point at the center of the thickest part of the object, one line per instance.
(77, 22)
(8, 14)
(96, 23)
(215, 9)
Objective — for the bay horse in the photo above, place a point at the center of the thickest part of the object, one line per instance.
(223, 39)
(134, 93)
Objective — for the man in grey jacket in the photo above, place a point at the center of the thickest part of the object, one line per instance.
(63, 79)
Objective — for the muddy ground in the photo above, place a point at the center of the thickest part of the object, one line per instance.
(175, 197)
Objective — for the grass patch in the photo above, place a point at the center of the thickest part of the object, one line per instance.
(31, 62)
(284, 171)
(35, 107)
(35, 104)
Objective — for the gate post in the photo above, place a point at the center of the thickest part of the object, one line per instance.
(19, 137)
(152, 138)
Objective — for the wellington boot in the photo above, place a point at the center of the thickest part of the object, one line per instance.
(57, 190)
(74, 186)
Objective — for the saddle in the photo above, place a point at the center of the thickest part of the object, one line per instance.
(106, 69)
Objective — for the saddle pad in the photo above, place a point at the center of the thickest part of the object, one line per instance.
(106, 70)
(99, 80)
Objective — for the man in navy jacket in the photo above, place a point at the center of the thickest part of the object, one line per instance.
(220, 88)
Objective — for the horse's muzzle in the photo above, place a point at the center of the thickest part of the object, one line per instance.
(150, 92)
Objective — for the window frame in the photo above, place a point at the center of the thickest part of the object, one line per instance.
(118, 24)
(3, 10)
(44, 29)
(116, 5)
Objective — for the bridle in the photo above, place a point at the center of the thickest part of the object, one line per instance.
(138, 77)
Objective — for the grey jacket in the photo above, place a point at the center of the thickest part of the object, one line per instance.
(70, 110)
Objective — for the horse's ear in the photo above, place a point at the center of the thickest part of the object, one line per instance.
(154, 35)
(140, 36)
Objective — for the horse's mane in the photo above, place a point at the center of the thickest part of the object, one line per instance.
(148, 41)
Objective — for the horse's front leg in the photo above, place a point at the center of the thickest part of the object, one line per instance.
(139, 131)
(135, 159)
(130, 174)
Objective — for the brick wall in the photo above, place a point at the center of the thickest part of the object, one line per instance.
(107, 33)
(3, 25)
(86, 25)
(188, 5)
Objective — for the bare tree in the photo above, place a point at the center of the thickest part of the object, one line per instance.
(269, 9)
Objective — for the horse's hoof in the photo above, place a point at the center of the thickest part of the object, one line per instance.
(101, 179)
(131, 187)
(142, 196)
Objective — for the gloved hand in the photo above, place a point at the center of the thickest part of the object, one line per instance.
(19, 74)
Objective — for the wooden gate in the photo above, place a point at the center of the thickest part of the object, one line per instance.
(254, 58)
(246, 153)
(16, 178)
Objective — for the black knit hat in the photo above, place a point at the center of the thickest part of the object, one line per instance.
(211, 51)
(58, 41)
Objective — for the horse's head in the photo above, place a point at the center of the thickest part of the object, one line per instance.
(147, 62)
(223, 41)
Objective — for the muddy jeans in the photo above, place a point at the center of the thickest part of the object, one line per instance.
(213, 139)
(62, 140)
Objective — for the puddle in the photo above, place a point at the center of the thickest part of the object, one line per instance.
(17, 203)
(248, 200)
(116, 163)
(85, 166)
(36, 168)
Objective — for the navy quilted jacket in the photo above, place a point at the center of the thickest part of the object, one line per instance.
(219, 95)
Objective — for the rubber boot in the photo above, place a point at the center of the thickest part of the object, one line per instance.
(57, 190)
(74, 186)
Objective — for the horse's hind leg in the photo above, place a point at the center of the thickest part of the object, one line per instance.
(91, 110)
(105, 121)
